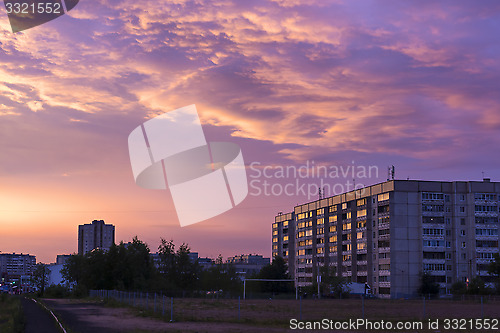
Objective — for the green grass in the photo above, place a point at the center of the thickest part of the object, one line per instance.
(11, 314)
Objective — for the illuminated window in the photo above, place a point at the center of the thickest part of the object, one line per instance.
(275, 239)
(346, 226)
(285, 238)
(285, 224)
(320, 211)
(332, 218)
(362, 213)
(309, 233)
(275, 246)
(320, 250)
(362, 224)
(320, 221)
(361, 246)
(275, 232)
(333, 228)
(333, 208)
(383, 197)
(361, 202)
(301, 252)
(333, 239)
(321, 231)
(361, 234)
(320, 240)
(333, 249)
(275, 225)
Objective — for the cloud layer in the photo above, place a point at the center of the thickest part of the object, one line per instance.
(407, 83)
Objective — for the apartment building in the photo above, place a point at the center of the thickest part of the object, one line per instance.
(388, 234)
(96, 235)
(15, 265)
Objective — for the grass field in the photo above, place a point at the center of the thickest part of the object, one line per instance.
(278, 313)
(11, 314)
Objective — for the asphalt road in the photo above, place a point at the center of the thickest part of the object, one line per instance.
(37, 319)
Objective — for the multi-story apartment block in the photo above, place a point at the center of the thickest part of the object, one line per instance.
(96, 235)
(387, 235)
(284, 239)
(14, 265)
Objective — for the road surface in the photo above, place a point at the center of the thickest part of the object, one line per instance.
(37, 319)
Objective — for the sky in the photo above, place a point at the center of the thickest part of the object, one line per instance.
(346, 85)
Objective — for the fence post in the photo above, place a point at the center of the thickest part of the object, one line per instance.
(300, 307)
(239, 308)
(363, 306)
(147, 301)
(154, 304)
(424, 308)
(163, 307)
(171, 309)
(482, 308)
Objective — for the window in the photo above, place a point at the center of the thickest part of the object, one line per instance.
(320, 221)
(485, 196)
(320, 250)
(346, 226)
(275, 232)
(462, 232)
(432, 232)
(433, 267)
(332, 218)
(344, 205)
(320, 211)
(361, 202)
(361, 213)
(275, 225)
(360, 235)
(432, 196)
(433, 242)
(361, 246)
(384, 267)
(275, 240)
(464, 245)
(383, 197)
(346, 216)
(320, 240)
(487, 243)
(321, 231)
(486, 232)
(462, 221)
(333, 239)
(483, 208)
(333, 228)
(433, 219)
(432, 208)
(362, 224)
(332, 208)
(285, 238)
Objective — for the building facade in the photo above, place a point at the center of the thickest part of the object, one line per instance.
(388, 234)
(14, 265)
(96, 235)
(247, 265)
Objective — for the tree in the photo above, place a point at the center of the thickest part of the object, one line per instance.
(494, 269)
(41, 277)
(331, 284)
(428, 286)
(277, 270)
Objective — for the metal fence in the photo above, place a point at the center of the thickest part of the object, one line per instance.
(275, 311)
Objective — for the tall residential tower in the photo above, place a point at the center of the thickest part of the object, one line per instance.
(96, 235)
(387, 235)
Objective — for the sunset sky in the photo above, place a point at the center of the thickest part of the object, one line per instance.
(414, 84)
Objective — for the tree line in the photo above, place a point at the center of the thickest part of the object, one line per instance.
(130, 267)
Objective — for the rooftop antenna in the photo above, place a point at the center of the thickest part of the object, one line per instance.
(390, 172)
(319, 194)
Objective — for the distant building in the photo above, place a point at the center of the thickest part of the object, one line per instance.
(248, 264)
(61, 258)
(55, 276)
(96, 235)
(387, 234)
(14, 265)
